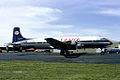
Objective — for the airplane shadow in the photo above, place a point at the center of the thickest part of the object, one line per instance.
(75, 55)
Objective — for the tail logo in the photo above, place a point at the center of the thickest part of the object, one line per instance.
(17, 32)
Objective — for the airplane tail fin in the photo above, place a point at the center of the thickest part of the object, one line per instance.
(17, 36)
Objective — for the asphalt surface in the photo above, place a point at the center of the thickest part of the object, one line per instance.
(55, 57)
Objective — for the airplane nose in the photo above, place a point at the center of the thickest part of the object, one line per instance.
(111, 42)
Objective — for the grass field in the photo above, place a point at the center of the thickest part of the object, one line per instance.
(36, 70)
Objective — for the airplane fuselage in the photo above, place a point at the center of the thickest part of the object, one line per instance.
(80, 42)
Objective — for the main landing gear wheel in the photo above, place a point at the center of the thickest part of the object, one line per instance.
(102, 53)
(64, 52)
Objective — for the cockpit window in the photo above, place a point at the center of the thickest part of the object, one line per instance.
(104, 39)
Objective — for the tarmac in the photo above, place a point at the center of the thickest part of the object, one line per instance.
(96, 58)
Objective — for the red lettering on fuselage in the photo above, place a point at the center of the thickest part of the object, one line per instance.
(65, 39)
(78, 39)
(61, 39)
(73, 39)
(69, 39)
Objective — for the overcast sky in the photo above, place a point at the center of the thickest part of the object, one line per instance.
(55, 18)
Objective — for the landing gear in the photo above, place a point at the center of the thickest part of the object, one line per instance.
(67, 52)
(20, 49)
(103, 51)
(7, 49)
(64, 52)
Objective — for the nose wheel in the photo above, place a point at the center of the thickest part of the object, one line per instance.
(103, 51)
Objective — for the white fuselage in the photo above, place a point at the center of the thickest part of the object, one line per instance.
(62, 39)
(42, 43)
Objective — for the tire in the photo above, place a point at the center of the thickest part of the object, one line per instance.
(102, 53)
(62, 52)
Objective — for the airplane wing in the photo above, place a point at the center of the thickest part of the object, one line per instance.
(59, 45)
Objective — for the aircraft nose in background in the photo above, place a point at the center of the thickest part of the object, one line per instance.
(111, 42)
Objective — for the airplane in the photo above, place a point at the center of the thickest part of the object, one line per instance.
(65, 44)
(68, 44)
(20, 43)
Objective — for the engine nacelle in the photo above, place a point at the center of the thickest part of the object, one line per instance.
(71, 42)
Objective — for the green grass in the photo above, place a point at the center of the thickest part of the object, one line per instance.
(36, 70)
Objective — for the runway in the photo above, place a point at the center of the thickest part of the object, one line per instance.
(55, 57)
